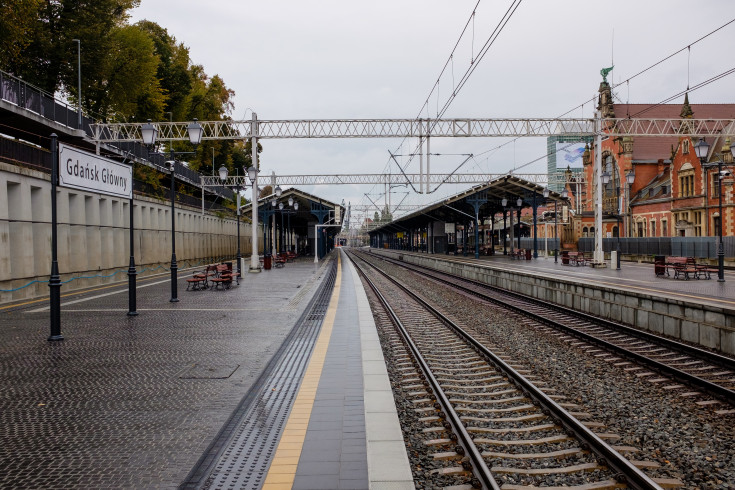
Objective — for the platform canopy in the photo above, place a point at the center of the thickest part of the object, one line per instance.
(479, 201)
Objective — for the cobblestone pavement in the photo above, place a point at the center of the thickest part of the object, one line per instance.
(134, 402)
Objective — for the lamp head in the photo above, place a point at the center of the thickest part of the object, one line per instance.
(605, 177)
(223, 173)
(274, 202)
(278, 191)
(564, 193)
(252, 173)
(630, 177)
(149, 133)
(504, 202)
(546, 192)
(290, 201)
(280, 205)
(296, 205)
(519, 202)
(701, 149)
(171, 166)
(195, 132)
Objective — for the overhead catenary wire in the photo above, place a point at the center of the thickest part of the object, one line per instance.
(500, 26)
(627, 82)
(591, 100)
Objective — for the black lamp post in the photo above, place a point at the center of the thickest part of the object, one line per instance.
(504, 202)
(546, 196)
(519, 202)
(149, 133)
(54, 282)
(132, 273)
(726, 158)
(223, 176)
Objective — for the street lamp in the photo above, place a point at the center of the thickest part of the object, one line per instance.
(519, 202)
(546, 229)
(149, 132)
(564, 194)
(504, 202)
(281, 234)
(79, 82)
(223, 176)
(726, 158)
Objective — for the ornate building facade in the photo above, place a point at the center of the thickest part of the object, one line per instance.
(657, 186)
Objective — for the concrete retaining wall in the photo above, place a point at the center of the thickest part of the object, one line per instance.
(706, 325)
(93, 235)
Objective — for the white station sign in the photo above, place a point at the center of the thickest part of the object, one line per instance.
(87, 171)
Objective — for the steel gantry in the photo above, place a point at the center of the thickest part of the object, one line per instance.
(423, 128)
(408, 128)
(389, 179)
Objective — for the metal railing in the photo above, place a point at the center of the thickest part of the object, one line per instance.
(33, 99)
(699, 247)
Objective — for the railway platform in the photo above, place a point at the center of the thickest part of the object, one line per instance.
(279, 382)
(632, 276)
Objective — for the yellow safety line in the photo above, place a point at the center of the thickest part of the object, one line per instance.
(282, 471)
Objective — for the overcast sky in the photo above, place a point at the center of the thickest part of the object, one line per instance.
(313, 59)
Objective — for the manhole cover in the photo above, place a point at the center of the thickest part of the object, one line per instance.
(208, 371)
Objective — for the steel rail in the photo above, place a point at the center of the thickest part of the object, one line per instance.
(618, 463)
(479, 466)
(697, 353)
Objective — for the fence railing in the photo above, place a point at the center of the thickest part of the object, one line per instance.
(699, 247)
(33, 99)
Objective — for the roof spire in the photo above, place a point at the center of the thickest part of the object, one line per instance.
(686, 109)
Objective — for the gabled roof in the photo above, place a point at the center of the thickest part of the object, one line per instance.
(653, 148)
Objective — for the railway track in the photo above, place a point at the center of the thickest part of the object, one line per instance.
(486, 422)
(698, 369)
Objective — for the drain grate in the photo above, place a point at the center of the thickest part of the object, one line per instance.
(241, 453)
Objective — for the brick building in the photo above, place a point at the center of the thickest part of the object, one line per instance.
(672, 193)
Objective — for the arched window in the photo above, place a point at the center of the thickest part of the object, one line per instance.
(686, 180)
(584, 231)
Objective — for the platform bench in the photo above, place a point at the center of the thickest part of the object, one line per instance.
(577, 258)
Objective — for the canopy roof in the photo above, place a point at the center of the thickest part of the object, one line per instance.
(486, 199)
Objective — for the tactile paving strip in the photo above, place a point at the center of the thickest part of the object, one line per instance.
(240, 455)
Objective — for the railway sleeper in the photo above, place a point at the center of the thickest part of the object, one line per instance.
(522, 418)
(560, 454)
(603, 485)
(513, 430)
(547, 471)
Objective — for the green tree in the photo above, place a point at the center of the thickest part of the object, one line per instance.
(49, 60)
(17, 29)
(173, 68)
(127, 86)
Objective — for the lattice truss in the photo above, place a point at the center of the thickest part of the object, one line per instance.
(402, 128)
(390, 179)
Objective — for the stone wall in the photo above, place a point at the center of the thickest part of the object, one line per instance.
(93, 235)
(706, 325)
